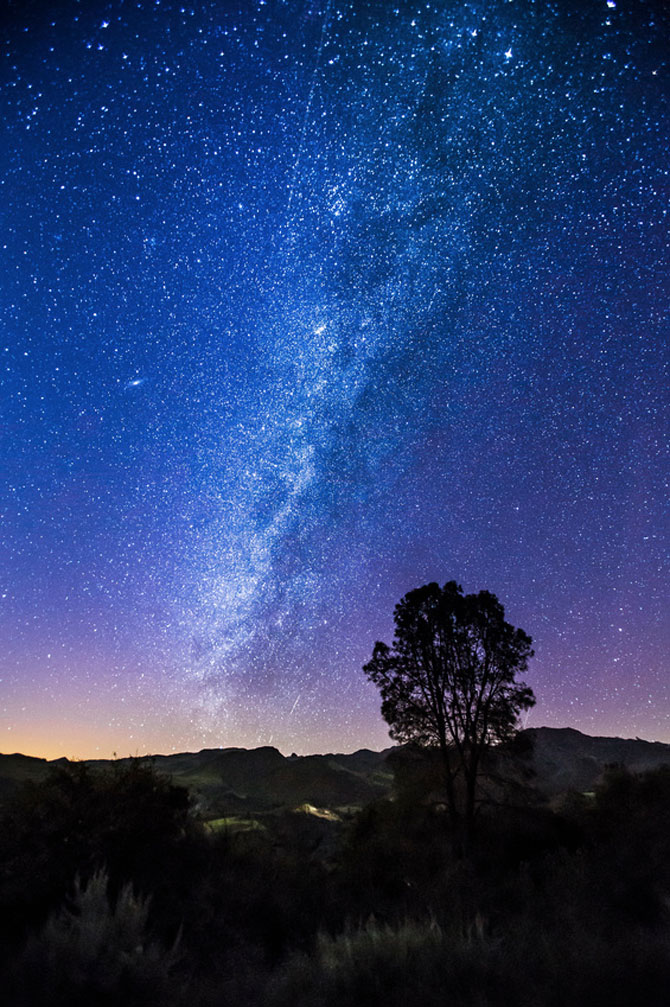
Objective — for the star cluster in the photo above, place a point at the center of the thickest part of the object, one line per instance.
(305, 304)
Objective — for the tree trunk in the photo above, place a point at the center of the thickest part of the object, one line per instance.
(459, 828)
(471, 770)
(449, 785)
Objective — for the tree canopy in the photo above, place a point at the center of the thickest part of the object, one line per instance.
(449, 679)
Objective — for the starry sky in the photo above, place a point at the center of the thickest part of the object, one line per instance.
(306, 303)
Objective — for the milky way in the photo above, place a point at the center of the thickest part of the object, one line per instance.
(305, 305)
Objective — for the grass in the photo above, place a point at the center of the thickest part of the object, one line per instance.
(234, 823)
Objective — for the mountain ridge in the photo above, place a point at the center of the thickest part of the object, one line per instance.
(239, 781)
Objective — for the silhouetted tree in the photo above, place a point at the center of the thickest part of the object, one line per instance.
(449, 680)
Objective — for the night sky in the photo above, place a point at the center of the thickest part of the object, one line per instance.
(304, 305)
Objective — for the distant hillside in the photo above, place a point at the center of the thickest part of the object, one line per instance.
(235, 781)
(238, 781)
(565, 759)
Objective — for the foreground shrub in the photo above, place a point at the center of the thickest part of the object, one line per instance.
(95, 952)
(368, 967)
(130, 819)
(527, 966)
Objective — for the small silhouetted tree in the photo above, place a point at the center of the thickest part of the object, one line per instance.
(449, 680)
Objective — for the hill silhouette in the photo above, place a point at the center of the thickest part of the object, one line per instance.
(243, 781)
(238, 781)
(565, 759)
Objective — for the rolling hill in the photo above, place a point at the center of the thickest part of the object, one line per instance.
(239, 782)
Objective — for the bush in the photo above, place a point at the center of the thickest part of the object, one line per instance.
(533, 964)
(371, 966)
(130, 820)
(95, 951)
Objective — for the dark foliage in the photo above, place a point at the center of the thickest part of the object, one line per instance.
(112, 893)
(448, 681)
(131, 821)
